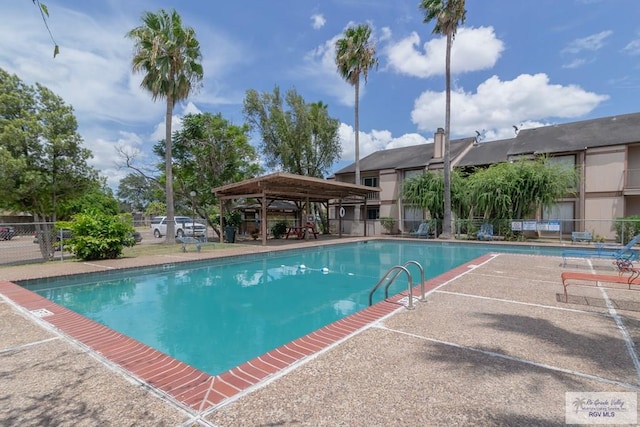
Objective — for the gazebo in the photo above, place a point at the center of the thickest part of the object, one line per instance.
(286, 186)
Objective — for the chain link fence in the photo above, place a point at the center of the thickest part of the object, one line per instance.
(22, 242)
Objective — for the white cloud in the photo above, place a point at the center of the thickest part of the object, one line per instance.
(385, 34)
(576, 63)
(473, 49)
(590, 43)
(498, 105)
(317, 21)
(159, 132)
(93, 73)
(633, 47)
(374, 141)
(319, 67)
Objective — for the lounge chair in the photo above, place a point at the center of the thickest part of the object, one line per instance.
(572, 278)
(486, 232)
(625, 252)
(422, 231)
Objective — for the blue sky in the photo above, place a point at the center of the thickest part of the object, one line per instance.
(514, 62)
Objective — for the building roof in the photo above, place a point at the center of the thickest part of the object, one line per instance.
(553, 139)
(286, 186)
(487, 153)
(406, 157)
(614, 130)
(411, 157)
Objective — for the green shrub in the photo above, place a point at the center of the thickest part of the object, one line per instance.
(279, 229)
(98, 236)
(627, 227)
(387, 223)
(467, 226)
(233, 219)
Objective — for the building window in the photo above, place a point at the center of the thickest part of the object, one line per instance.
(563, 212)
(565, 162)
(414, 173)
(371, 181)
(410, 174)
(373, 213)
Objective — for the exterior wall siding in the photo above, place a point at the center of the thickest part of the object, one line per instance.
(604, 170)
(388, 194)
(600, 212)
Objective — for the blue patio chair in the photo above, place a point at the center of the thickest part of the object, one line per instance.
(625, 252)
(486, 232)
(422, 231)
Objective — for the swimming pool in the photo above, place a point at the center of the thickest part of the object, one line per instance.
(217, 314)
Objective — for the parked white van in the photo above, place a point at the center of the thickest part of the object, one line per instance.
(185, 226)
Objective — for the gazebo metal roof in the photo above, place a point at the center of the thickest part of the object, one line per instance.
(287, 186)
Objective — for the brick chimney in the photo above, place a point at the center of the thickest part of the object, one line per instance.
(438, 144)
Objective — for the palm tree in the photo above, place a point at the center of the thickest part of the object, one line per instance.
(169, 55)
(448, 15)
(355, 55)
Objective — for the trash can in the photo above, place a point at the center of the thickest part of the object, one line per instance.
(230, 234)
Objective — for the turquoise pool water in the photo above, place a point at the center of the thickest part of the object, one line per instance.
(217, 314)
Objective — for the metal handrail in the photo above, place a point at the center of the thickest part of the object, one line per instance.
(395, 267)
(398, 269)
(422, 298)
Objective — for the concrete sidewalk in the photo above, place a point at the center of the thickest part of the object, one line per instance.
(492, 346)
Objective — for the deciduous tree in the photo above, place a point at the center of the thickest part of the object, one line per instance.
(516, 190)
(43, 165)
(427, 192)
(209, 151)
(138, 191)
(503, 191)
(297, 138)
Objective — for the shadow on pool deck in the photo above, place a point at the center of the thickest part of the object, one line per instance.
(492, 346)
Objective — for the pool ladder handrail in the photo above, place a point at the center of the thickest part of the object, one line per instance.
(398, 269)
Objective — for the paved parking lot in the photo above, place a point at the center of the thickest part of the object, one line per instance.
(22, 249)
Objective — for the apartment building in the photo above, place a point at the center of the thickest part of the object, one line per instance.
(605, 151)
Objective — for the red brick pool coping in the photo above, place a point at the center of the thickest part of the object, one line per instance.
(185, 384)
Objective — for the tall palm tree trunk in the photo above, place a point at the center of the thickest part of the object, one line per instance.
(356, 127)
(446, 225)
(171, 226)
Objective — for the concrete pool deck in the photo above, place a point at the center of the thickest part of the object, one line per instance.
(495, 344)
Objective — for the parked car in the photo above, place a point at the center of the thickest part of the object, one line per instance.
(185, 226)
(58, 236)
(7, 232)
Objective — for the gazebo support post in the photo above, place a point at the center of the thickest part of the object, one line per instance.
(365, 216)
(221, 221)
(304, 220)
(263, 217)
(340, 219)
